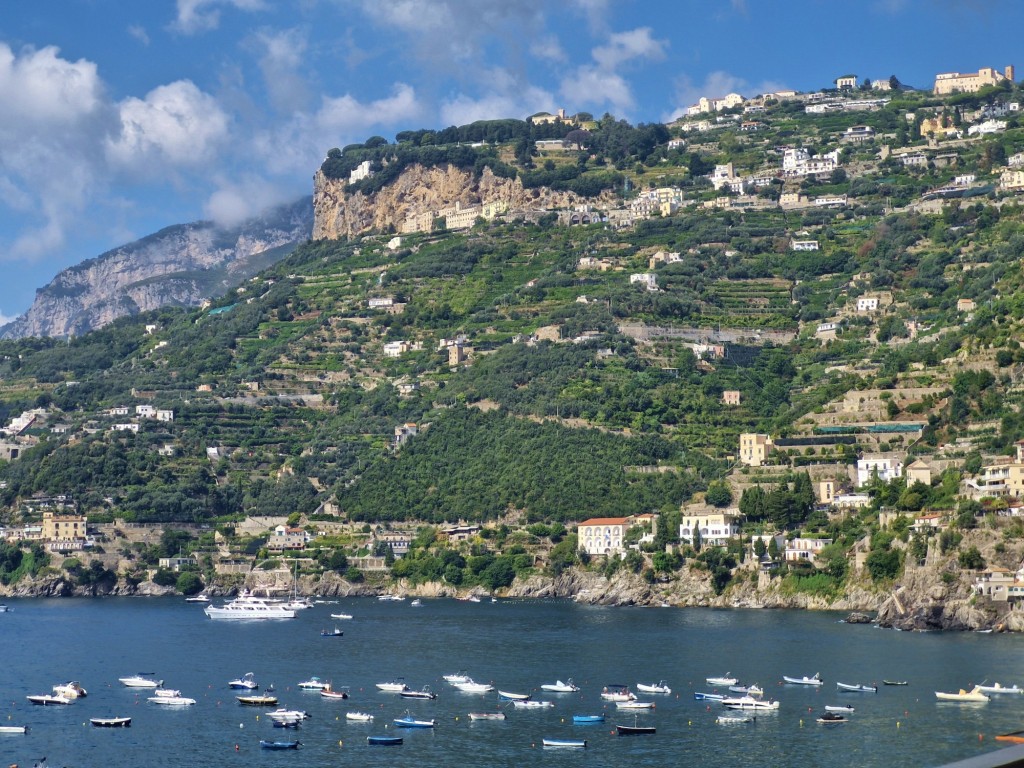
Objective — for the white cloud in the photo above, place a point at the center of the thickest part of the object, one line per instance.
(716, 84)
(139, 33)
(507, 97)
(601, 83)
(238, 199)
(548, 47)
(626, 46)
(55, 114)
(176, 123)
(281, 55)
(203, 15)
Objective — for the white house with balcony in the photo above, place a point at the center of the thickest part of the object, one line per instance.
(886, 466)
(603, 535)
(712, 527)
(805, 550)
(648, 280)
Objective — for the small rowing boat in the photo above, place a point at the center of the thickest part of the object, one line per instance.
(111, 722)
(383, 741)
(565, 743)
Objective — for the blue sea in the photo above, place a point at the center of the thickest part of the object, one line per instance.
(517, 646)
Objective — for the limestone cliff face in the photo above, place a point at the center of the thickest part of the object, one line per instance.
(420, 190)
(178, 266)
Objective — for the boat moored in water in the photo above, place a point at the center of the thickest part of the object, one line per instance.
(423, 693)
(267, 744)
(856, 688)
(247, 607)
(246, 682)
(486, 715)
(411, 722)
(13, 729)
(139, 681)
(565, 743)
(359, 717)
(587, 719)
(257, 700)
(994, 688)
(384, 741)
(972, 696)
(559, 687)
(813, 680)
(659, 687)
(48, 699)
(725, 680)
(111, 722)
(395, 686)
(617, 692)
(750, 703)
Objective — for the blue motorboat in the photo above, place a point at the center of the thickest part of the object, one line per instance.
(587, 719)
(384, 741)
(265, 744)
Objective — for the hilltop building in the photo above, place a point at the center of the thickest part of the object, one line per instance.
(970, 82)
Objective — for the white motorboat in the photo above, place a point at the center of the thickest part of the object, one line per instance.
(458, 677)
(836, 708)
(532, 704)
(486, 715)
(997, 688)
(634, 704)
(750, 703)
(313, 684)
(197, 599)
(70, 690)
(417, 603)
(248, 607)
(395, 686)
(4, 608)
(659, 687)
(856, 688)
(510, 696)
(287, 715)
(169, 693)
(390, 598)
(733, 719)
(617, 693)
(341, 615)
(559, 687)
(815, 680)
(723, 680)
(172, 701)
(138, 681)
(359, 717)
(471, 687)
(48, 699)
(974, 695)
(246, 682)
(13, 729)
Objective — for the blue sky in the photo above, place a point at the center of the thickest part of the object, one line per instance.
(120, 117)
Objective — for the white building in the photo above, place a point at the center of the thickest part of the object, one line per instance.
(164, 415)
(145, 411)
(362, 171)
(867, 304)
(603, 535)
(647, 279)
(714, 528)
(804, 245)
(380, 302)
(806, 550)
(887, 467)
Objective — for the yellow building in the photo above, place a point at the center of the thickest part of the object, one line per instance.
(63, 527)
(754, 449)
(970, 82)
(603, 535)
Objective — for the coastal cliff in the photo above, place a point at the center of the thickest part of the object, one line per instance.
(418, 191)
(177, 266)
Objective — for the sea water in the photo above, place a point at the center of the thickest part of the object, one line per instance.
(514, 645)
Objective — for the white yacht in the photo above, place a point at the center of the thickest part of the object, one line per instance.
(138, 681)
(247, 606)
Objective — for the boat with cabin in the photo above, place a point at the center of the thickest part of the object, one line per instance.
(246, 682)
(248, 607)
(457, 678)
(70, 690)
(313, 684)
(359, 717)
(750, 703)
(172, 701)
(331, 632)
(197, 599)
(842, 709)
(328, 692)
(395, 686)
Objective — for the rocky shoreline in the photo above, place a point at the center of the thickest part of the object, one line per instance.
(920, 603)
